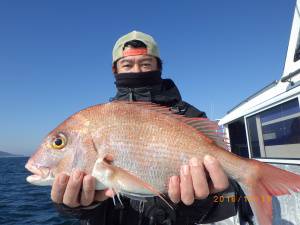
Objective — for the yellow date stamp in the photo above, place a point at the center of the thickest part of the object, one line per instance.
(248, 198)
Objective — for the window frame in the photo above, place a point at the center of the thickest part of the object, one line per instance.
(271, 160)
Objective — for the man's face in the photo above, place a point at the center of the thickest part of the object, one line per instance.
(136, 64)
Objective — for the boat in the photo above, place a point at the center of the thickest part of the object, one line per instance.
(266, 127)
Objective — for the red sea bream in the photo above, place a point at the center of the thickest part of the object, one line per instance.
(134, 148)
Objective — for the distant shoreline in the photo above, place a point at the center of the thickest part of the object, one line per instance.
(15, 156)
(9, 155)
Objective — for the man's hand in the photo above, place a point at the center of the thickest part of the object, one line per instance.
(193, 182)
(77, 190)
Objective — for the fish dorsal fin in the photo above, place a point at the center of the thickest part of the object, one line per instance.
(206, 127)
(210, 129)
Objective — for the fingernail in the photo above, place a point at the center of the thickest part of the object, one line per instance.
(209, 159)
(194, 162)
(63, 179)
(185, 170)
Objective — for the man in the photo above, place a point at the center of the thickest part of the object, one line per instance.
(195, 192)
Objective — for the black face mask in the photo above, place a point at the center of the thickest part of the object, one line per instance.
(135, 80)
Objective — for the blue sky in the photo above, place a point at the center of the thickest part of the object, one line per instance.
(55, 56)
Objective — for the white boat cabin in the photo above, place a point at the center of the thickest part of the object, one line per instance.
(266, 127)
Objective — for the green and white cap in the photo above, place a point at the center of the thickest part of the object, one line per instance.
(152, 48)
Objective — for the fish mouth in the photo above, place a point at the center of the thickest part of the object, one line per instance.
(41, 176)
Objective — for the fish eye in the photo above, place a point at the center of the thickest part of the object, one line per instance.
(59, 141)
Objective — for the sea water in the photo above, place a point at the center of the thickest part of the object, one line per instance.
(24, 203)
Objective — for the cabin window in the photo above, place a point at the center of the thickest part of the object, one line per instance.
(297, 54)
(297, 51)
(275, 133)
(253, 136)
(238, 138)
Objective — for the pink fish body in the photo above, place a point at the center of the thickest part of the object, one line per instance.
(135, 148)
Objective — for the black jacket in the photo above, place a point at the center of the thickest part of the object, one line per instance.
(166, 94)
(155, 212)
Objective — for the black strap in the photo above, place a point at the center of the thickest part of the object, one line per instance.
(157, 212)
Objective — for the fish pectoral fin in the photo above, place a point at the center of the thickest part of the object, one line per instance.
(124, 181)
(99, 185)
(136, 188)
(102, 175)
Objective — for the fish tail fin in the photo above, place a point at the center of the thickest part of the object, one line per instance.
(265, 181)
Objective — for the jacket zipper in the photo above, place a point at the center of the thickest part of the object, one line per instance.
(130, 95)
